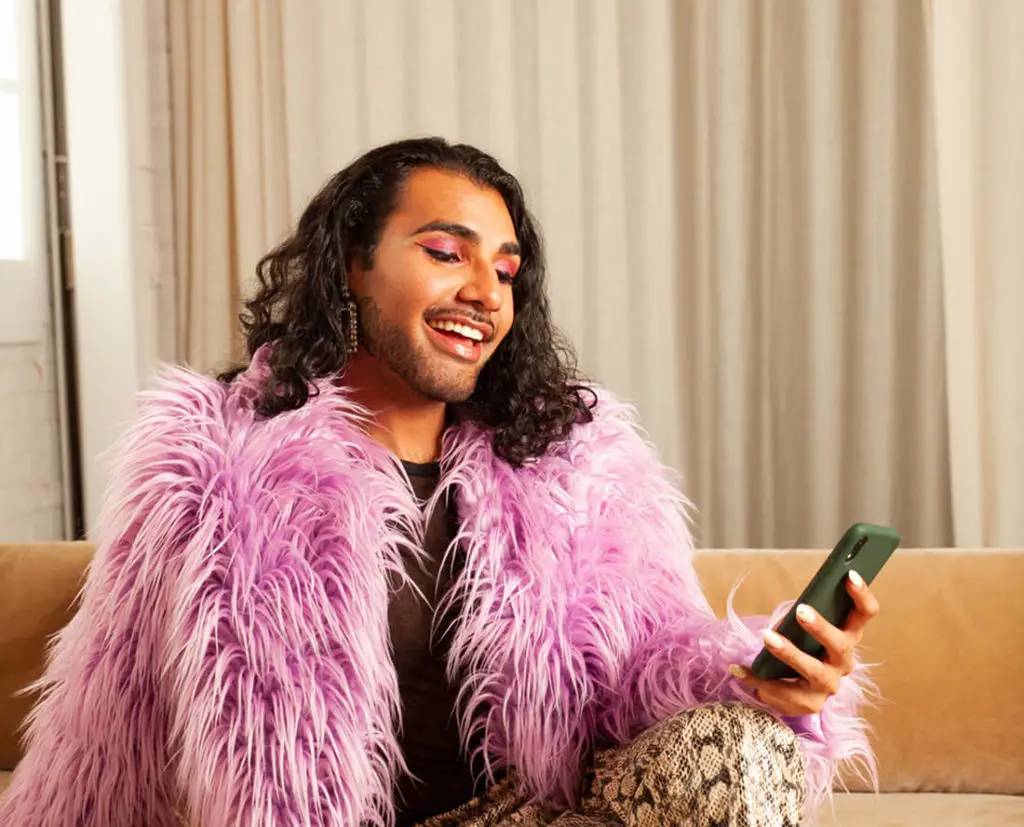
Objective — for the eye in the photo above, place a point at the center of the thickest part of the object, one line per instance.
(505, 276)
(443, 256)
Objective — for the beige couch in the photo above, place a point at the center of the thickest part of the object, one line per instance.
(949, 732)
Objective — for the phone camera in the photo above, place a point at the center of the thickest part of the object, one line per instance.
(857, 547)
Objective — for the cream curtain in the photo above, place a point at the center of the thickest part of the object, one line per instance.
(812, 311)
(740, 203)
(978, 54)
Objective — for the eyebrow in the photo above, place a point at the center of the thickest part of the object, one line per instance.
(509, 248)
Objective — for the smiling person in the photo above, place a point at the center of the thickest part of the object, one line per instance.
(405, 565)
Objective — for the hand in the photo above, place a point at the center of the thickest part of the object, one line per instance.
(819, 678)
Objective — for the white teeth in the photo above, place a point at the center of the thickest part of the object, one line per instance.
(461, 329)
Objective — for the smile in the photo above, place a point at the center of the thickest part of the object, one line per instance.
(461, 341)
(461, 329)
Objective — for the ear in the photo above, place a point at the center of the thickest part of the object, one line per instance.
(356, 276)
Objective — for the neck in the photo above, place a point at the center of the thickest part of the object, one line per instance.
(402, 420)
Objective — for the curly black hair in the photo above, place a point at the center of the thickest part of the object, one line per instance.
(529, 394)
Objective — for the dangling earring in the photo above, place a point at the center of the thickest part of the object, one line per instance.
(350, 321)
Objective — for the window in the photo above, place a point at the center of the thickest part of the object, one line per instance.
(8, 41)
(24, 269)
(12, 246)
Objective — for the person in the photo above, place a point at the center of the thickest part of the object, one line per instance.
(406, 565)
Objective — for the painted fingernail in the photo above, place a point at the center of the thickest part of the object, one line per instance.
(856, 579)
(805, 613)
(772, 638)
(738, 671)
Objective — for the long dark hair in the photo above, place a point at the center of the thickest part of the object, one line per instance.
(529, 393)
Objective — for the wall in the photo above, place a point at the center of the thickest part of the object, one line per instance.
(31, 491)
(118, 155)
(31, 501)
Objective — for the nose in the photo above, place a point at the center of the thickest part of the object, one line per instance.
(483, 289)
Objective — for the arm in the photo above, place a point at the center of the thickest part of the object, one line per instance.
(95, 746)
(216, 668)
(672, 653)
(284, 703)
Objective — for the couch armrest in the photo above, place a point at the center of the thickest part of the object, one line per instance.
(38, 586)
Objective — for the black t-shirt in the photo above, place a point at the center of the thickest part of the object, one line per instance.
(429, 738)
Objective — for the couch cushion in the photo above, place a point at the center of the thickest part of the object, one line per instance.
(923, 810)
(949, 652)
(896, 809)
(38, 584)
(938, 726)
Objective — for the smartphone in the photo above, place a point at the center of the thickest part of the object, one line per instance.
(864, 548)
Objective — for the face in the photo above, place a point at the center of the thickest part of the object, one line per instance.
(438, 300)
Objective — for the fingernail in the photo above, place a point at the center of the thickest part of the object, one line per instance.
(856, 579)
(805, 613)
(738, 671)
(772, 638)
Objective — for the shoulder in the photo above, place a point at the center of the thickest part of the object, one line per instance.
(178, 400)
(190, 411)
(615, 447)
(614, 428)
(164, 455)
(610, 448)
(195, 432)
(182, 417)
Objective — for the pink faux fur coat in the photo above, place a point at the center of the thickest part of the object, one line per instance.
(230, 658)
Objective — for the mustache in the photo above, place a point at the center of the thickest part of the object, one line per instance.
(468, 314)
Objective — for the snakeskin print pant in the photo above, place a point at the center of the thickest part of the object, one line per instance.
(720, 765)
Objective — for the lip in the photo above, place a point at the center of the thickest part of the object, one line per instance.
(485, 330)
(458, 347)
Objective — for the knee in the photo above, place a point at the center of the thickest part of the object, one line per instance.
(709, 764)
(724, 736)
(750, 757)
(740, 753)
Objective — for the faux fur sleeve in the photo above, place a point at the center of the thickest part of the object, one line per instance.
(223, 666)
(675, 653)
(96, 746)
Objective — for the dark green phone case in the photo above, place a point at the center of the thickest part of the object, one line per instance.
(864, 548)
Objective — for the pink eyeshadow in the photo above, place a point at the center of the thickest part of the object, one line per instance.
(442, 246)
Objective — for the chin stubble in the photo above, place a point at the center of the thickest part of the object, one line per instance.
(389, 346)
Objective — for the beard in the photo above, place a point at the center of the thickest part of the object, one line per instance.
(429, 374)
